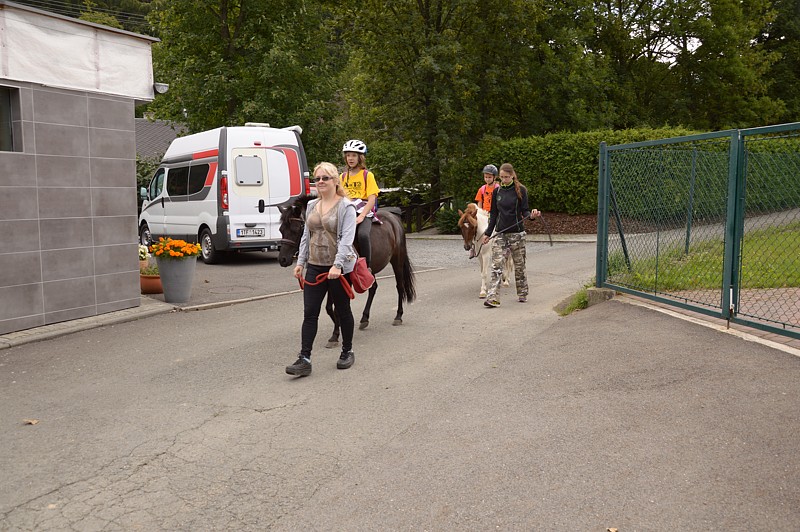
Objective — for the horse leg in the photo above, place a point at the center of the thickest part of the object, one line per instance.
(398, 318)
(398, 276)
(485, 272)
(508, 269)
(365, 315)
(333, 341)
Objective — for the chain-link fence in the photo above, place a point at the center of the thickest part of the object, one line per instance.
(707, 222)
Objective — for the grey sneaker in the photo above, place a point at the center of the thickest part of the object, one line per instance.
(491, 303)
(523, 299)
(300, 368)
(346, 360)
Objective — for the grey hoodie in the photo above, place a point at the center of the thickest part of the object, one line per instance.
(346, 253)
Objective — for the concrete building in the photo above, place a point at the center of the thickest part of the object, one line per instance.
(68, 240)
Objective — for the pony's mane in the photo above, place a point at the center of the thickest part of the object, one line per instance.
(296, 209)
(470, 215)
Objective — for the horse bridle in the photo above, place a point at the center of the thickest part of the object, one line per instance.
(293, 219)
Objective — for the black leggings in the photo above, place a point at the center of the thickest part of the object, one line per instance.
(313, 296)
(362, 233)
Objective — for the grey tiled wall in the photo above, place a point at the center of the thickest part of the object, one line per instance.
(67, 208)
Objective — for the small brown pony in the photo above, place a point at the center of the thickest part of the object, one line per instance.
(473, 223)
(388, 241)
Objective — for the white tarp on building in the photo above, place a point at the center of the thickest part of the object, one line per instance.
(41, 47)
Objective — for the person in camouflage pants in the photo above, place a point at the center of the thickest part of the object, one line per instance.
(509, 210)
(503, 245)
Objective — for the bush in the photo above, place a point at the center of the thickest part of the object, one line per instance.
(145, 168)
(447, 221)
(560, 170)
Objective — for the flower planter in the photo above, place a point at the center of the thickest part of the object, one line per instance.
(150, 284)
(177, 277)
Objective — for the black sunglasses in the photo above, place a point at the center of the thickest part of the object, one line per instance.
(323, 178)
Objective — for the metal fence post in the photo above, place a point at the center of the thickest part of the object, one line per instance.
(602, 220)
(731, 246)
(690, 208)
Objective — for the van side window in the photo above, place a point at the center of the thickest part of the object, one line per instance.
(177, 181)
(157, 184)
(197, 178)
(248, 170)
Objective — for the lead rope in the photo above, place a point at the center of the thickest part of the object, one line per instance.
(480, 240)
(322, 277)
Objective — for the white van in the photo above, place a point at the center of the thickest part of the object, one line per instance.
(222, 188)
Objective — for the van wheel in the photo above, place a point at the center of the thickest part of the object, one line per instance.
(145, 237)
(208, 253)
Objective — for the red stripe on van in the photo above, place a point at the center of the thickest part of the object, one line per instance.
(212, 171)
(204, 154)
(295, 181)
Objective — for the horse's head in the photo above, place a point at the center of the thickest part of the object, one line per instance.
(292, 223)
(468, 224)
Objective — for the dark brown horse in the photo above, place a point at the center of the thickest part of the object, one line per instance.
(388, 241)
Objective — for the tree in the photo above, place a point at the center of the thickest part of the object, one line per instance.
(722, 79)
(423, 71)
(90, 15)
(234, 61)
(782, 37)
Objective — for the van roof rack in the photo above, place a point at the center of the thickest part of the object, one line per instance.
(256, 124)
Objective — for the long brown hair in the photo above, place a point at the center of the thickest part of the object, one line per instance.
(506, 167)
(362, 161)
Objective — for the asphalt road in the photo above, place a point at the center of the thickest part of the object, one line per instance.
(463, 418)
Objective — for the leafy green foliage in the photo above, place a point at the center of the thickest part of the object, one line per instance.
(150, 269)
(107, 19)
(447, 221)
(579, 301)
(229, 62)
(438, 89)
(145, 168)
(559, 170)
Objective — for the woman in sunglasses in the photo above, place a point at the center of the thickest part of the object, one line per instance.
(326, 247)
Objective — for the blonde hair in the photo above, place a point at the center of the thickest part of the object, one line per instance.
(330, 170)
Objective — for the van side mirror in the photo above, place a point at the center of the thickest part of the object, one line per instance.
(143, 193)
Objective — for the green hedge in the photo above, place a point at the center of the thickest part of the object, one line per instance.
(560, 169)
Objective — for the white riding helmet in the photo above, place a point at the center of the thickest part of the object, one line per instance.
(356, 146)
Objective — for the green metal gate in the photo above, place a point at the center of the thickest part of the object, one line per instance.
(706, 222)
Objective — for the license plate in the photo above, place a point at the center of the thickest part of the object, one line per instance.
(250, 232)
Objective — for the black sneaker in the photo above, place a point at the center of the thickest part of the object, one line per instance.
(301, 368)
(346, 360)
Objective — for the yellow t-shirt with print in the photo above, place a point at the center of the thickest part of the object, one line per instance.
(356, 186)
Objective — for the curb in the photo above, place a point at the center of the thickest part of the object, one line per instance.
(148, 307)
(530, 238)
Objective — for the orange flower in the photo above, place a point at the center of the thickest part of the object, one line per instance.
(178, 249)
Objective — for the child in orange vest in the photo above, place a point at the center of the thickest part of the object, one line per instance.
(484, 196)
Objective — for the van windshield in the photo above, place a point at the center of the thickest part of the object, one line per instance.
(249, 170)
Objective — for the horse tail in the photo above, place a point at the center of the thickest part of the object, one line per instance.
(408, 289)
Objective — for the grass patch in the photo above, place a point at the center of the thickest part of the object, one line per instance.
(769, 260)
(579, 301)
